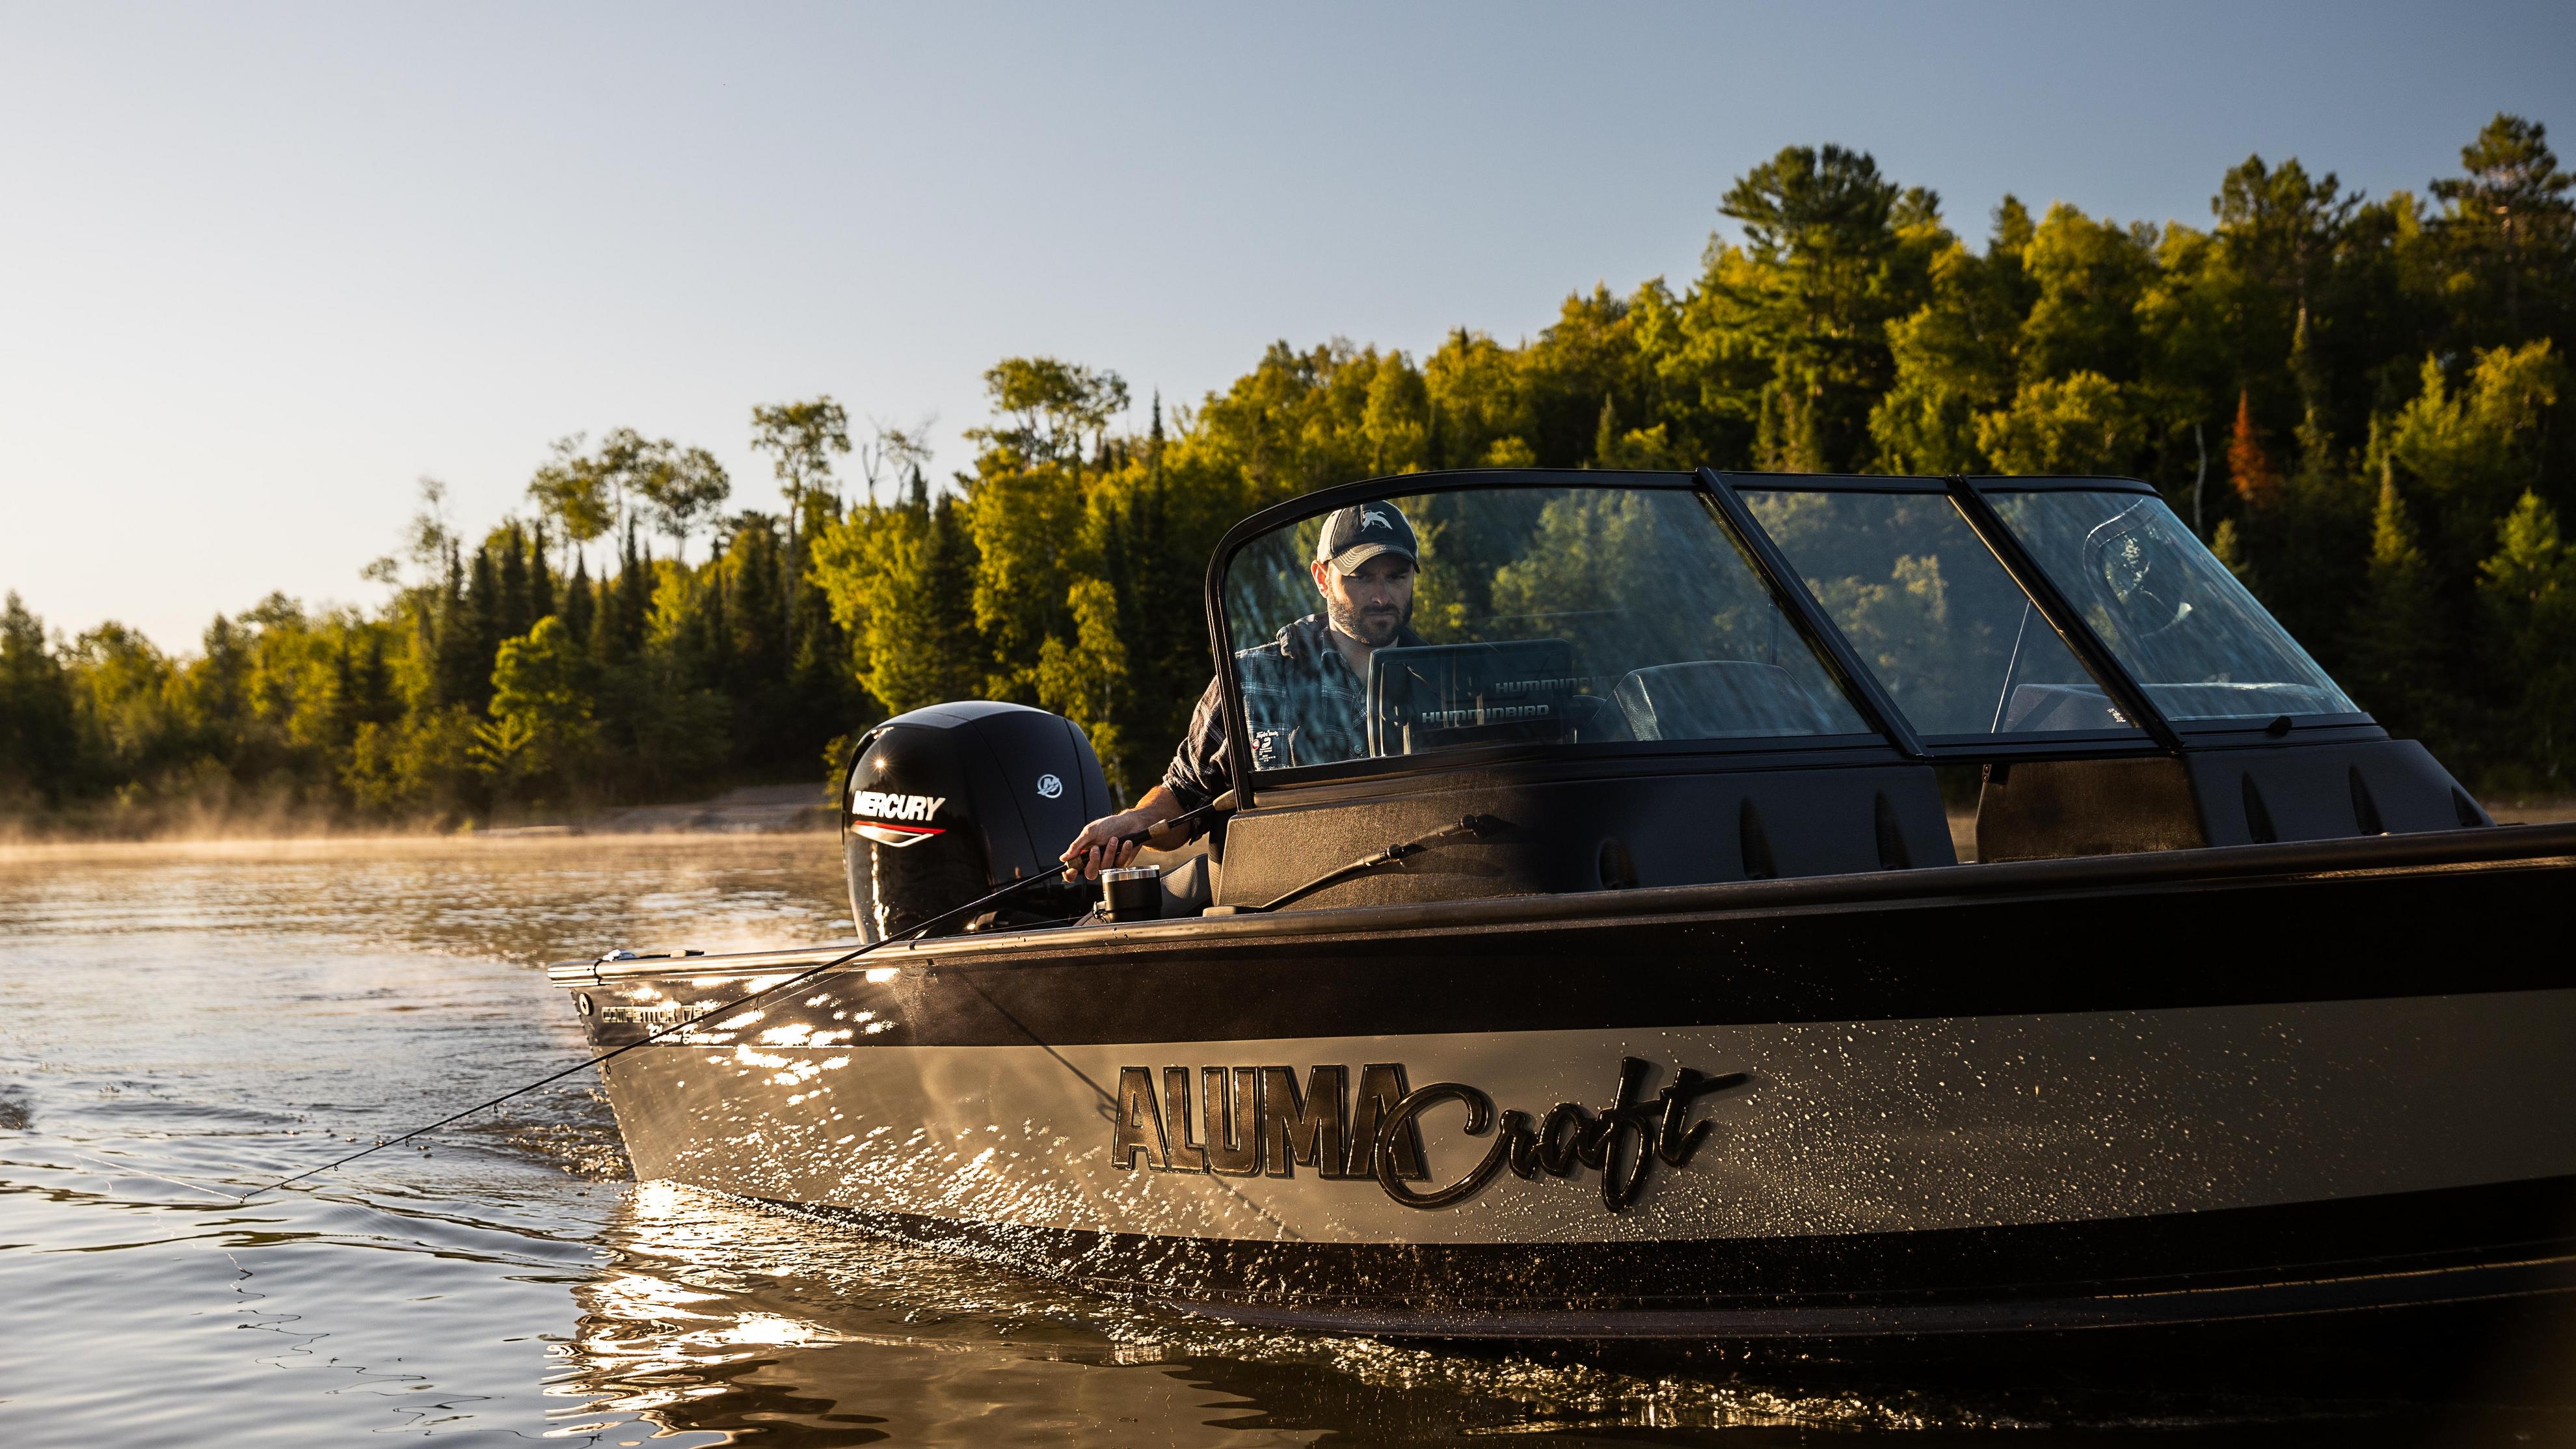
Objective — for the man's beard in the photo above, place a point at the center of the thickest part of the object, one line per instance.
(1376, 628)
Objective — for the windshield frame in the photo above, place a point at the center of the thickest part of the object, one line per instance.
(1875, 745)
(2044, 591)
(1892, 740)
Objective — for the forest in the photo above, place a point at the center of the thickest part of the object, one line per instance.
(2354, 399)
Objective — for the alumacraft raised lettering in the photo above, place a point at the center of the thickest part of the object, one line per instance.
(1621, 1141)
(1253, 1121)
(1248, 1121)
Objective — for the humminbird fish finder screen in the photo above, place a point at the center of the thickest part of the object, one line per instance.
(1455, 694)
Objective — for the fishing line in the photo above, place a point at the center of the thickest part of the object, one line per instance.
(966, 910)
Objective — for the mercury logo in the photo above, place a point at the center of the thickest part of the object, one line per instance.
(886, 807)
(1049, 787)
(1370, 516)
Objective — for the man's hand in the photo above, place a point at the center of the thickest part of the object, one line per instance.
(1102, 844)
(1099, 847)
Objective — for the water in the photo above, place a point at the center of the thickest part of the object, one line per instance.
(180, 1024)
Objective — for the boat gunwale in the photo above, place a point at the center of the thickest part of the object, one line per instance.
(2510, 847)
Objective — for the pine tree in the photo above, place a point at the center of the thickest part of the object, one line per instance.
(2512, 229)
(2249, 467)
(39, 742)
(577, 602)
(1605, 435)
(517, 609)
(2396, 645)
(464, 673)
(483, 627)
(541, 583)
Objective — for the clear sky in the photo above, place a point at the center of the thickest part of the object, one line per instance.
(261, 267)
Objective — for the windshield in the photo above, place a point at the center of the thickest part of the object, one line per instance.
(2187, 631)
(1947, 632)
(1513, 615)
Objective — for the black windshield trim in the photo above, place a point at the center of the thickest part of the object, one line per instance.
(2062, 615)
(1790, 594)
(2073, 483)
(2157, 735)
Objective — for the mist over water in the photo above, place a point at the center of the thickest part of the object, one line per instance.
(180, 1024)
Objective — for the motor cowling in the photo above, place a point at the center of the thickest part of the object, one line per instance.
(955, 801)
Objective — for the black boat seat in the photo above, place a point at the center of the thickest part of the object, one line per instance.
(1717, 699)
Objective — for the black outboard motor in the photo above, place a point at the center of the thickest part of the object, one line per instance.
(958, 800)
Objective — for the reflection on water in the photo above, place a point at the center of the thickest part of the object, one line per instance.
(180, 1025)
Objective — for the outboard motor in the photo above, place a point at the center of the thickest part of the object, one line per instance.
(955, 801)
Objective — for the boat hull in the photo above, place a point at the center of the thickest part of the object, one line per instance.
(1707, 1114)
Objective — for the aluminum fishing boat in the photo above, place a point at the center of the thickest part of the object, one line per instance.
(1629, 981)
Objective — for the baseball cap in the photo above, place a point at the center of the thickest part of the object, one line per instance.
(1354, 535)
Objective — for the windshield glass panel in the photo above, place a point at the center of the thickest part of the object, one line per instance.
(2186, 630)
(1948, 633)
(1513, 616)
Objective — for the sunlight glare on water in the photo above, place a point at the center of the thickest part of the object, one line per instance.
(180, 1024)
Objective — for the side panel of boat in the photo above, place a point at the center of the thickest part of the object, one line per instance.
(1811, 1129)
(2134, 1099)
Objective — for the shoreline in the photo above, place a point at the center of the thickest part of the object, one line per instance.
(21, 852)
(746, 810)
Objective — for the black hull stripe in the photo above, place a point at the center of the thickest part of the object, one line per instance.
(2315, 939)
(2396, 1251)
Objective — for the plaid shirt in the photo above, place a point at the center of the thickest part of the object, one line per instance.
(1302, 706)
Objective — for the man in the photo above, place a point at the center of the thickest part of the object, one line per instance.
(1305, 693)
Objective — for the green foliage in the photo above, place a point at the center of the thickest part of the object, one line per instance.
(2529, 585)
(37, 744)
(2357, 398)
(801, 439)
(541, 727)
(1045, 408)
(2081, 424)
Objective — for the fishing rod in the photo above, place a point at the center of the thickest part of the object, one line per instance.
(965, 911)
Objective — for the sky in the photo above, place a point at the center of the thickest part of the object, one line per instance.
(264, 267)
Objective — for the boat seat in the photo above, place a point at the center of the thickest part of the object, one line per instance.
(1717, 699)
(1190, 889)
(1189, 877)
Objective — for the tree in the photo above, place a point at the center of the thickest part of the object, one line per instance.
(2530, 588)
(38, 745)
(1047, 407)
(1834, 252)
(573, 490)
(2476, 445)
(2396, 644)
(2249, 465)
(1957, 355)
(2083, 424)
(2511, 226)
(680, 486)
(801, 439)
(2089, 277)
(891, 453)
(541, 723)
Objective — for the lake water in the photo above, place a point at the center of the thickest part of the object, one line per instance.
(180, 1024)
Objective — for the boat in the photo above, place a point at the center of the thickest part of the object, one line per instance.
(1628, 981)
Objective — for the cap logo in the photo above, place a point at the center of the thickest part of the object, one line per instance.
(1370, 516)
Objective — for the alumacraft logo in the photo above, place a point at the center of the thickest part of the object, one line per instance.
(876, 811)
(1255, 1121)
